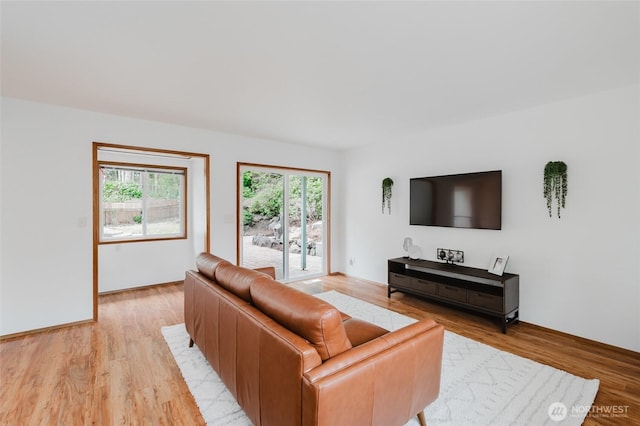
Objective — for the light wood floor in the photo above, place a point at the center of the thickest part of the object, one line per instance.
(120, 371)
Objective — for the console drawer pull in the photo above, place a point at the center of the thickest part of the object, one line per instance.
(399, 279)
(453, 293)
(486, 301)
(425, 286)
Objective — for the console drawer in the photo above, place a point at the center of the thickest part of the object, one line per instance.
(486, 301)
(399, 280)
(425, 286)
(453, 293)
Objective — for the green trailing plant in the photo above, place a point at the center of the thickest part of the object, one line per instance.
(387, 185)
(555, 185)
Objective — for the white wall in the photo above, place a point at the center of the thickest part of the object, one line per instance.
(46, 198)
(578, 274)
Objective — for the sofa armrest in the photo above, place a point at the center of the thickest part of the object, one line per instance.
(385, 381)
(269, 270)
(369, 349)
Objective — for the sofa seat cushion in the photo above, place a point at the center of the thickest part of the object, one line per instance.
(360, 332)
(309, 317)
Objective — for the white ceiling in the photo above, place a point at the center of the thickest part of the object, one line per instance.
(332, 74)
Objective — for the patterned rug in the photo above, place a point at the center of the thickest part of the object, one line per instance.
(480, 385)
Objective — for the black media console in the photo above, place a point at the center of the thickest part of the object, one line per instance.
(471, 288)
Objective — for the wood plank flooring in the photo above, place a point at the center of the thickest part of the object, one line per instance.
(116, 371)
(120, 371)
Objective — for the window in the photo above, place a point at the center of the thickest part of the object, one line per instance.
(140, 202)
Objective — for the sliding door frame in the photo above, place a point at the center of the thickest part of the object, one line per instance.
(326, 215)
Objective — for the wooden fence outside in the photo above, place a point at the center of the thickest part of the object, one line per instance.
(124, 213)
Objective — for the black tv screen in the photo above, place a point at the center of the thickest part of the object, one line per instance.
(470, 200)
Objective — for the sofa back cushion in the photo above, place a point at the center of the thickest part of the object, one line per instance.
(237, 279)
(309, 317)
(208, 263)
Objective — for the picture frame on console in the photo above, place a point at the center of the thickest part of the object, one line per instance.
(497, 265)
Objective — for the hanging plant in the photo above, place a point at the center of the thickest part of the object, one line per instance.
(387, 184)
(555, 184)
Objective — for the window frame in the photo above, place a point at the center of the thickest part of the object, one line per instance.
(144, 168)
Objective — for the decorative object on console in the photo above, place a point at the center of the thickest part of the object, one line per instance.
(497, 265)
(450, 256)
(387, 185)
(415, 252)
(555, 184)
(407, 244)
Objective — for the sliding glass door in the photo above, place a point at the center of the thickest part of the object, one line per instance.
(282, 220)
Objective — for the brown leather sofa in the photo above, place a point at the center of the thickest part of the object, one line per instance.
(290, 358)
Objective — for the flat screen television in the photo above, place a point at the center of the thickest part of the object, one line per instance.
(470, 200)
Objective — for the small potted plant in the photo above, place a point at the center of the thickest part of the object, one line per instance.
(387, 185)
(555, 185)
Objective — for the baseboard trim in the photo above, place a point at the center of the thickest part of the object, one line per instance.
(6, 337)
(586, 340)
(13, 336)
(143, 287)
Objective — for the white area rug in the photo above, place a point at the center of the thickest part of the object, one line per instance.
(480, 385)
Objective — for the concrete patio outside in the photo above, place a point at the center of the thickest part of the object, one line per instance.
(256, 257)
